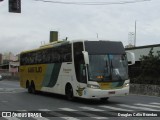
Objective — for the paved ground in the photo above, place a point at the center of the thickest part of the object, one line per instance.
(56, 107)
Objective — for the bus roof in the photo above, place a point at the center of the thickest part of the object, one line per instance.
(50, 45)
(104, 47)
(110, 46)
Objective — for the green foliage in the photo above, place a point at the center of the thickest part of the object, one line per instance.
(150, 67)
(150, 64)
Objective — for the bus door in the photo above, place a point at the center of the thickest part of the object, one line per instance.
(80, 68)
(81, 78)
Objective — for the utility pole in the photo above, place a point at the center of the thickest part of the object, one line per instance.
(97, 35)
(131, 39)
(135, 34)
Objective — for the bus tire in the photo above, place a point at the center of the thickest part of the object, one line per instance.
(33, 90)
(69, 92)
(28, 87)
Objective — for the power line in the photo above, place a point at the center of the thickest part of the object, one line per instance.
(92, 3)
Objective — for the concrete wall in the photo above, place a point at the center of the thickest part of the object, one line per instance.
(142, 89)
(143, 50)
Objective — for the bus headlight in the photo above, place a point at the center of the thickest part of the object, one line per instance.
(93, 86)
(126, 85)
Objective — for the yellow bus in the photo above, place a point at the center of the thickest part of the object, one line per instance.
(84, 69)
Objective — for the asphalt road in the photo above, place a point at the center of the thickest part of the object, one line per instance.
(14, 99)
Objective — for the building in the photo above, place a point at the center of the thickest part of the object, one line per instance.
(9, 64)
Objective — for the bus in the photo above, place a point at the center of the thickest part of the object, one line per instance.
(83, 69)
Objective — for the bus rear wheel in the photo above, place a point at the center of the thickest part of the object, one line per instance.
(33, 90)
(69, 92)
(28, 87)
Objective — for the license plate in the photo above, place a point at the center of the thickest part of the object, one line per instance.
(112, 92)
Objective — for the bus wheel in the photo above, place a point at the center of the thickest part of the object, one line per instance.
(69, 92)
(104, 99)
(33, 88)
(28, 87)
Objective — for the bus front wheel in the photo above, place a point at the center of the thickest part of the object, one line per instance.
(69, 92)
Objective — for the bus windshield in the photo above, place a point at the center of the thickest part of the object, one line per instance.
(108, 67)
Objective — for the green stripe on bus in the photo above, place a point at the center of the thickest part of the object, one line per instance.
(48, 74)
(55, 74)
(52, 74)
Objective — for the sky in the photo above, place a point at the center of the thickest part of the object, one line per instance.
(30, 28)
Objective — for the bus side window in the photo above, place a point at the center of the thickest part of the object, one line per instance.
(66, 51)
(79, 62)
(83, 77)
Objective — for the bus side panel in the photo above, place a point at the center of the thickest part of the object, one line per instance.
(61, 76)
(33, 73)
(22, 76)
(67, 76)
(51, 82)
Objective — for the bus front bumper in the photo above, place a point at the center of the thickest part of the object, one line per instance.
(98, 93)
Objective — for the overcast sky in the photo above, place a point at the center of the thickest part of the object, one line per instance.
(27, 30)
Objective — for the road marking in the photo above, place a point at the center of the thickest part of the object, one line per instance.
(82, 113)
(67, 109)
(4, 101)
(136, 107)
(40, 118)
(11, 90)
(11, 118)
(100, 118)
(155, 103)
(146, 105)
(91, 109)
(70, 114)
(69, 118)
(45, 110)
(21, 110)
(115, 108)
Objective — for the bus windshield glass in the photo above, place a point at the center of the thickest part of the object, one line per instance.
(109, 67)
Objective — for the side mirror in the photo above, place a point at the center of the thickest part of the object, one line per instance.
(131, 57)
(86, 57)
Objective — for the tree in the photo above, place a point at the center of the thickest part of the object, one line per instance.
(150, 66)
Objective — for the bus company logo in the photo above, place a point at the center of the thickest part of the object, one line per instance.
(35, 69)
(6, 114)
(80, 90)
(67, 70)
